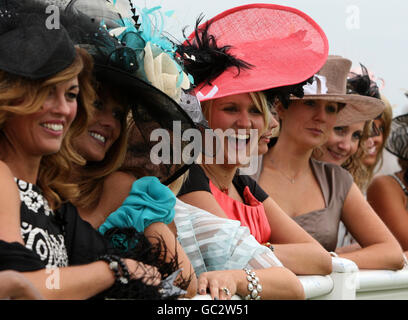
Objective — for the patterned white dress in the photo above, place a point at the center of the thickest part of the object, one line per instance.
(40, 228)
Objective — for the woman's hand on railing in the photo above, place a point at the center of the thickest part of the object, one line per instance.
(222, 285)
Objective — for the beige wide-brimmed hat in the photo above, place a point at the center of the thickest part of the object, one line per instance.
(330, 84)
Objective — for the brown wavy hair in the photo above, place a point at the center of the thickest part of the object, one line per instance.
(91, 175)
(20, 96)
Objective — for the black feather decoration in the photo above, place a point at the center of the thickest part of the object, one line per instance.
(284, 93)
(203, 59)
(128, 243)
(363, 85)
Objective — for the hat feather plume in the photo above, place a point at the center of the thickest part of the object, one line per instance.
(362, 84)
(204, 59)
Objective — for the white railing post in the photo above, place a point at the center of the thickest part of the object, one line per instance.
(316, 286)
(345, 280)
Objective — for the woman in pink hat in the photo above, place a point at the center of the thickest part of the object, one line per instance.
(234, 65)
(318, 195)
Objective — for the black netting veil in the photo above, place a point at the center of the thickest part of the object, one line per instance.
(397, 142)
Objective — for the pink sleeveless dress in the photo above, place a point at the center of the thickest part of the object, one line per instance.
(251, 214)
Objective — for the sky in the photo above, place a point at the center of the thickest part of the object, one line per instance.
(372, 32)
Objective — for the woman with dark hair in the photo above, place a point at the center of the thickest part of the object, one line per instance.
(125, 101)
(372, 159)
(388, 193)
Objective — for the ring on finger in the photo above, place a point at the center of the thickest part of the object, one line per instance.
(226, 291)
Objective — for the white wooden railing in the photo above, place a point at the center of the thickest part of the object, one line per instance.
(347, 282)
(383, 284)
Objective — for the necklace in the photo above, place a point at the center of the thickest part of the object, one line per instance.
(213, 177)
(291, 180)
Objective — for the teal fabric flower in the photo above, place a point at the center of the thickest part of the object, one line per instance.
(150, 31)
(148, 201)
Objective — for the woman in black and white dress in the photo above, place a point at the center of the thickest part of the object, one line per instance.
(41, 233)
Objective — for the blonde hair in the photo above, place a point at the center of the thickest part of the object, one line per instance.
(361, 173)
(20, 96)
(354, 164)
(176, 185)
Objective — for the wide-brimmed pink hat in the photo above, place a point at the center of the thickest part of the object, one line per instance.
(282, 45)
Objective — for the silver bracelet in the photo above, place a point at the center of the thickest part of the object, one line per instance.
(254, 287)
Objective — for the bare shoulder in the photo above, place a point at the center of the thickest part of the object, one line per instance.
(203, 200)
(116, 188)
(383, 179)
(119, 181)
(5, 171)
(7, 178)
(385, 191)
(197, 198)
(383, 183)
(10, 206)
